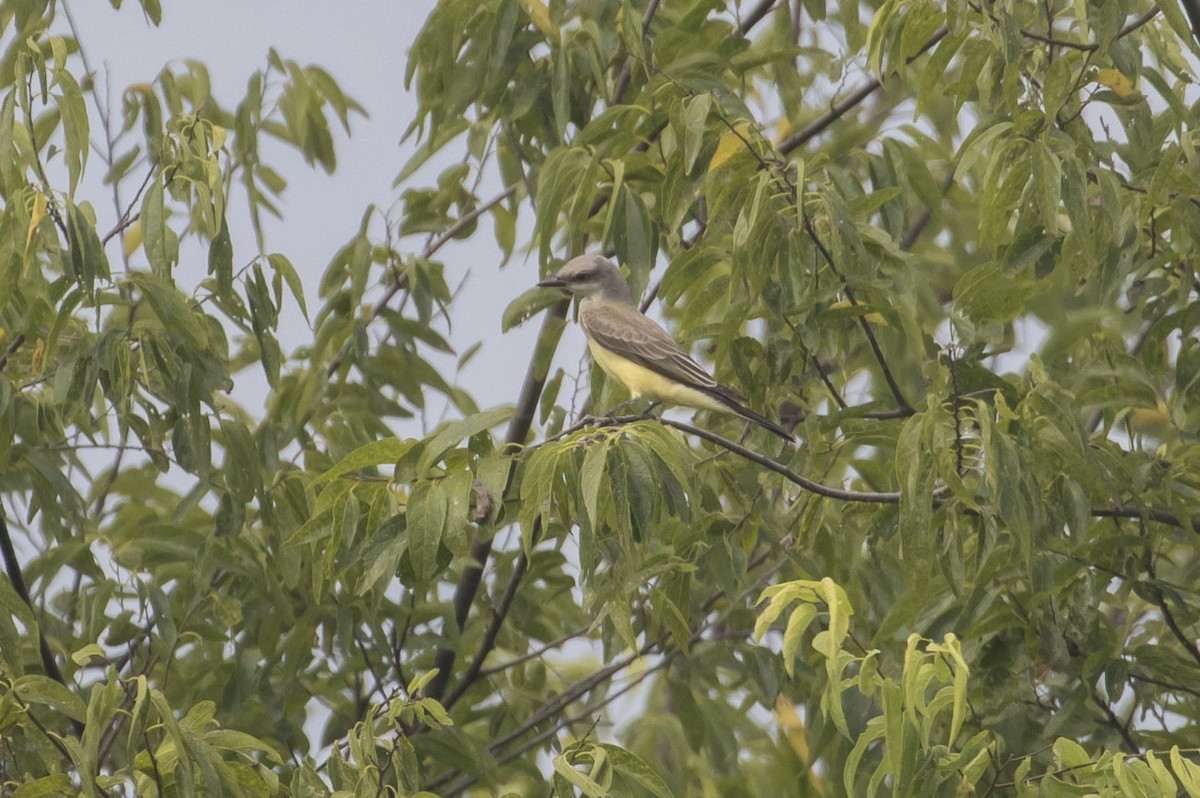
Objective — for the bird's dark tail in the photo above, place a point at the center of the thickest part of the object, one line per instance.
(750, 415)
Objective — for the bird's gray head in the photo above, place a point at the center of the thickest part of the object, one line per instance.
(591, 275)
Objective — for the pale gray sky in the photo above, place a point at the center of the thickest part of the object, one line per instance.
(364, 45)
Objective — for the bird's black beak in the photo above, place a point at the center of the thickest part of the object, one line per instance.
(553, 282)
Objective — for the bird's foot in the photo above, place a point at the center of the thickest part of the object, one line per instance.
(612, 411)
(611, 415)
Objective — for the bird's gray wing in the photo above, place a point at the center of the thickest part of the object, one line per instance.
(622, 329)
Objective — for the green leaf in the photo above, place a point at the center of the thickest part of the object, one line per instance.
(85, 654)
(425, 520)
(388, 451)
(916, 485)
(241, 467)
(529, 303)
(73, 111)
(153, 10)
(153, 222)
(988, 293)
(1187, 771)
(456, 431)
(632, 767)
(563, 766)
(284, 268)
(173, 310)
(57, 784)
(592, 478)
(220, 260)
(1165, 783)
(36, 689)
(633, 233)
(798, 622)
(934, 69)
(383, 555)
(1047, 179)
(233, 740)
(1070, 754)
(1172, 11)
(695, 120)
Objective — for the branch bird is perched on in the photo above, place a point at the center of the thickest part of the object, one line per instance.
(635, 351)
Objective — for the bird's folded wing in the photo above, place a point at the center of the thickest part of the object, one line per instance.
(624, 331)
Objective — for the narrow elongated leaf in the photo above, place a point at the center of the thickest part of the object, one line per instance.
(425, 521)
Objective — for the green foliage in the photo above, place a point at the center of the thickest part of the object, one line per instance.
(954, 245)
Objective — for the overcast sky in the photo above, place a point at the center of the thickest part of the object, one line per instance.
(364, 45)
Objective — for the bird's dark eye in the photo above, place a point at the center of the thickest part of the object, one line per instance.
(584, 275)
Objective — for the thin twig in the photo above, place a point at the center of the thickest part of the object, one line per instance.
(431, 249)
(17, 340)
(13, 569)
(51, 204)
(499, 613)
(1169, 617)
(481, 550)
(839, 109)
(755, 15)
(862, 321)
(1112, 720)
(534, 653)
(626, 74)
(1083, 47)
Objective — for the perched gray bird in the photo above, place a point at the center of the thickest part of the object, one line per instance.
(637, 352)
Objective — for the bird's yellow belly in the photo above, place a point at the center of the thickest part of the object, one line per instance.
(641, 381)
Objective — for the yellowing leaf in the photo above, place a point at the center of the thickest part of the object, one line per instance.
(1115, 80)
(540, 15)
(792, 725)
(39, 354)
(132, 239)
(728, 145)
(36, 214)
(1150, 420)
(872, 316)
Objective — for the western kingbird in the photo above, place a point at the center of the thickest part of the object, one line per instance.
(635, 351)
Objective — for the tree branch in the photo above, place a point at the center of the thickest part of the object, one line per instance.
(518, 431)
(582, 686)
(1157, 514)
(1113, 721)
(429, 251)
(626, 75)
(755, 16)
(499, 613)
(17, 340)
(13, 569)
(1169, 617)
(1085, 47)
(839, 109)
(829, 492)
(535, 653)
(862, 322)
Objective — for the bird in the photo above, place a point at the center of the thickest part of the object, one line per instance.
(635, 351)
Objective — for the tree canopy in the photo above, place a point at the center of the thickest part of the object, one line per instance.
(953, 244)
